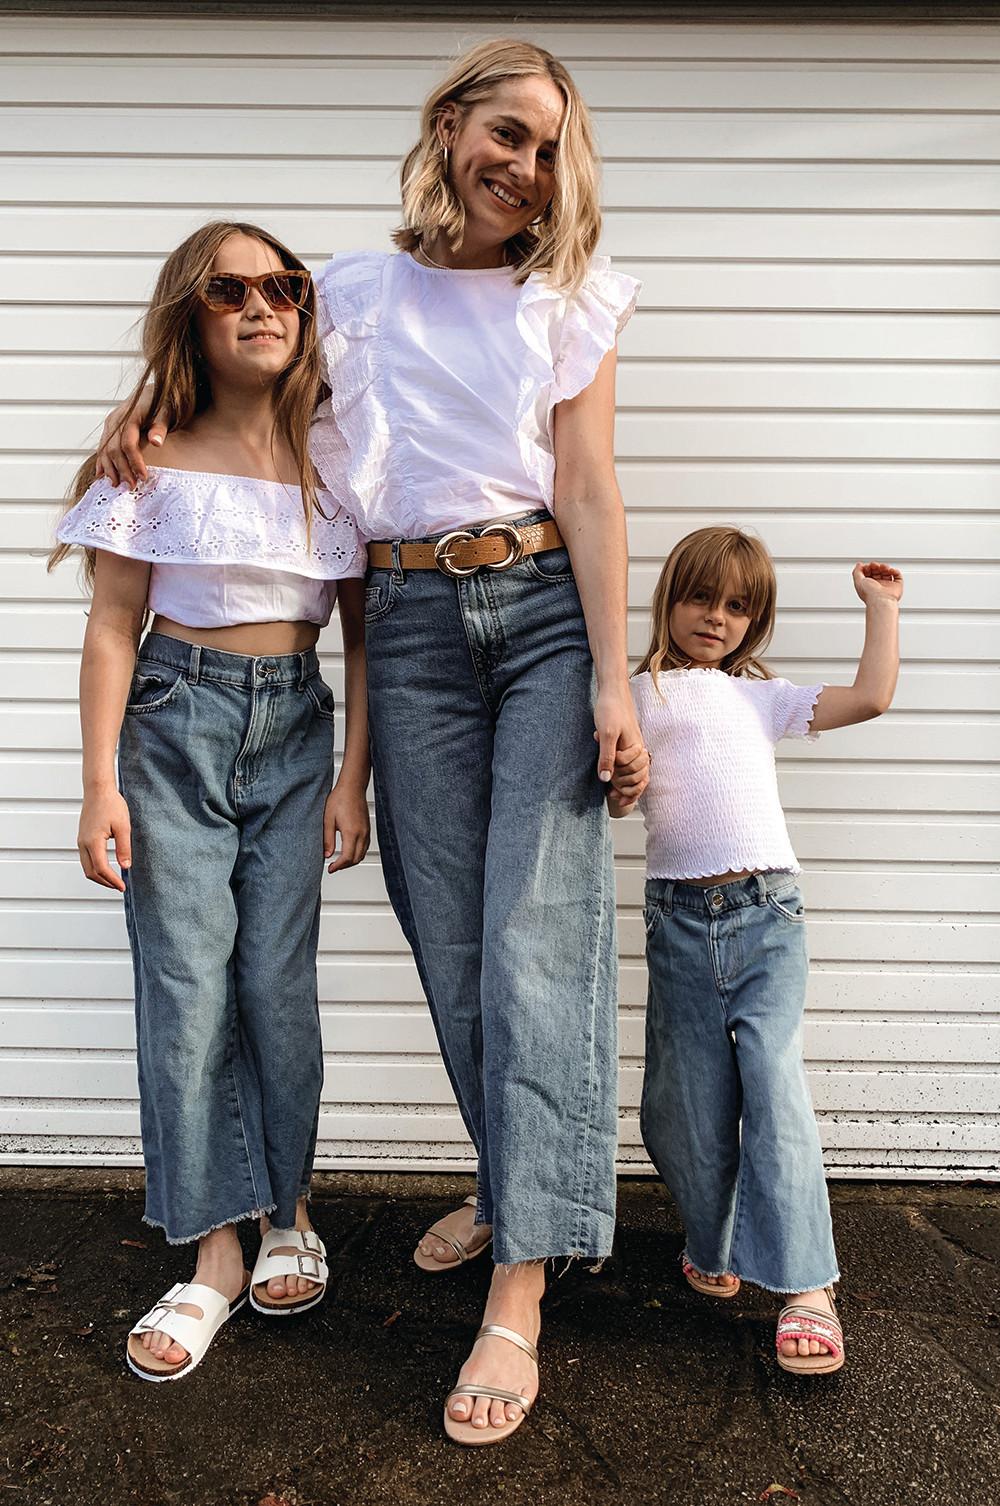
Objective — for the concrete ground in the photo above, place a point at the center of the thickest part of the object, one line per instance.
(650, 1394)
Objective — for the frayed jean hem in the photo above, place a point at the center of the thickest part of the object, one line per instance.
(188, 1239)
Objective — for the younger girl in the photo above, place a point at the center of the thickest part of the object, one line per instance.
(225, 751)
(726, 1113)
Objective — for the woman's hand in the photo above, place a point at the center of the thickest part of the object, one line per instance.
(876, 581)
(120, 455)
(104, 817)
(617, 731)
(346, 814)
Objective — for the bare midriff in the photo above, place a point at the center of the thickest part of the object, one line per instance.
(720, 878)
(254, 638)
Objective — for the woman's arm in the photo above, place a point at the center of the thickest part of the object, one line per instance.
(120, 456)
(588, 508)
(880, 588)
(109, 649)
(347, 804)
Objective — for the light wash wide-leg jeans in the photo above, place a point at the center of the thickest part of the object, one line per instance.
(225, 761)
(494, 839)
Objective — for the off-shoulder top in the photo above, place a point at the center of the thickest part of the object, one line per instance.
(223, 549)
(443, 384)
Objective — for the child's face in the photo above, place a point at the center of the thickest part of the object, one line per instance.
(706, 631)
(504, 145)
(251, 347)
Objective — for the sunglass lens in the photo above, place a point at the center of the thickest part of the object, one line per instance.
(285, 290)
(225, 292)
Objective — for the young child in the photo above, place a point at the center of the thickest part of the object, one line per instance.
(726, 1113)
(223, 811)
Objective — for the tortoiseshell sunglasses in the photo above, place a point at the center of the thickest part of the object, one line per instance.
(226, 293)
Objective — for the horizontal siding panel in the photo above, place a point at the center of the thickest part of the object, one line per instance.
(644, 83)
(674, 284)
(622, 133)
(971, 188)
(932, 45)
(316, 232)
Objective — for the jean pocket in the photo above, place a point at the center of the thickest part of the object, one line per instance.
(788, 904)
(322, 698)
(380, 594)
(552, 565)
(151, 690)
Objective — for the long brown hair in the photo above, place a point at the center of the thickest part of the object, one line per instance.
(707, 560)
(562, 244)
(176, 372)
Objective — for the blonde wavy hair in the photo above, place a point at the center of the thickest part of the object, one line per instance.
(176, 371)
(562, 243)
(707, 560)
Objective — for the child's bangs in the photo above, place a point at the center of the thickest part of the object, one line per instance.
(712, 564)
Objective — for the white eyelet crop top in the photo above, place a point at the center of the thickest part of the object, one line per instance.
(443, 384)
(711, 805)
(223, 549)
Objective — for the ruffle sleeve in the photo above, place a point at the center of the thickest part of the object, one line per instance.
(349, 439)
(792, 708)
(595, 317)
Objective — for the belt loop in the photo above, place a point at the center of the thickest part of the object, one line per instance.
(303, 676)
(761, 888)
(668, 897)
(194, 664)
(397, 569)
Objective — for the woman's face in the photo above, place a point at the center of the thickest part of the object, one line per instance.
(503, 158)
(253, 346)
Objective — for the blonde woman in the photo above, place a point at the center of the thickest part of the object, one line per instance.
(224, 733)
(470, 430)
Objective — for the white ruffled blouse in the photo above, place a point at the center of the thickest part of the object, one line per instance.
(223, 549)
(443, 384)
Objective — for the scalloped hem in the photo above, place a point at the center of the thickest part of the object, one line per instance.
(801, 726)
(751, 871)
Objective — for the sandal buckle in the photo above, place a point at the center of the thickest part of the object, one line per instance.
(303, 1261)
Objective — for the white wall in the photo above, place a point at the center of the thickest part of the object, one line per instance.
(814, 214)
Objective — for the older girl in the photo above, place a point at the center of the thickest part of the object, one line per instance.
(224, 732)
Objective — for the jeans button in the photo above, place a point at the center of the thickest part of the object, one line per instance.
(716, 900)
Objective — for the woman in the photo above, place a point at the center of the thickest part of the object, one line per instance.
(470, 432)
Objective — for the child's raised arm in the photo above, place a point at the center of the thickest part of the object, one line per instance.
(880, 588)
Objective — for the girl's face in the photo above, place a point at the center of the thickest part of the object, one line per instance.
(503, 158)
(706, 631)
(253, 346)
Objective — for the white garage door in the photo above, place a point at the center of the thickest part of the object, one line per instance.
(814, 214)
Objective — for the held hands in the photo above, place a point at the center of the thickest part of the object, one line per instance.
(623, 762)
(120, 455)
(877, 582)
(105, 817)
(346, 813)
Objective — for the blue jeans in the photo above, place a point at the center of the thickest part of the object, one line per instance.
(726, 1113)
(496, 852)
(225, 761)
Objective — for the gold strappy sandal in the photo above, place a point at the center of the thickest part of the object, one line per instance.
(464, 1432)
(464, 1253)
(797, 1321)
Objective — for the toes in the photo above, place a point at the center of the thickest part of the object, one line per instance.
(513, 1412)
(459, 1408)
(803, 1346)
(814, 1346)
(174, 1354)
(498, 1414)
(277, 1287)
(481, 1412)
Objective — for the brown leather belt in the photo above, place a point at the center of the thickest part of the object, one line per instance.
(460, 552)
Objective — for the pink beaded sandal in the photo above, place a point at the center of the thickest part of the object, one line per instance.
(695, 1279)
(800, 1322)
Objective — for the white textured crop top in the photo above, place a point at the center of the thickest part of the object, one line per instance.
(711, 805)
(443, 384)
(223, 549)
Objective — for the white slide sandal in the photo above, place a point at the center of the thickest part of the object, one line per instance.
(193, 1329)
(289, 1252)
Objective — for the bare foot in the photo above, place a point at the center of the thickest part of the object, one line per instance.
(290, 1286)
(513, 1302)
(803, 1346)
(220, 1266)
(461, 1225)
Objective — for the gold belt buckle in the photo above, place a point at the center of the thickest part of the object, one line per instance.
(443, 559)
(515, 542)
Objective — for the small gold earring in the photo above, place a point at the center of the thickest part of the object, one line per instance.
(444, 155)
